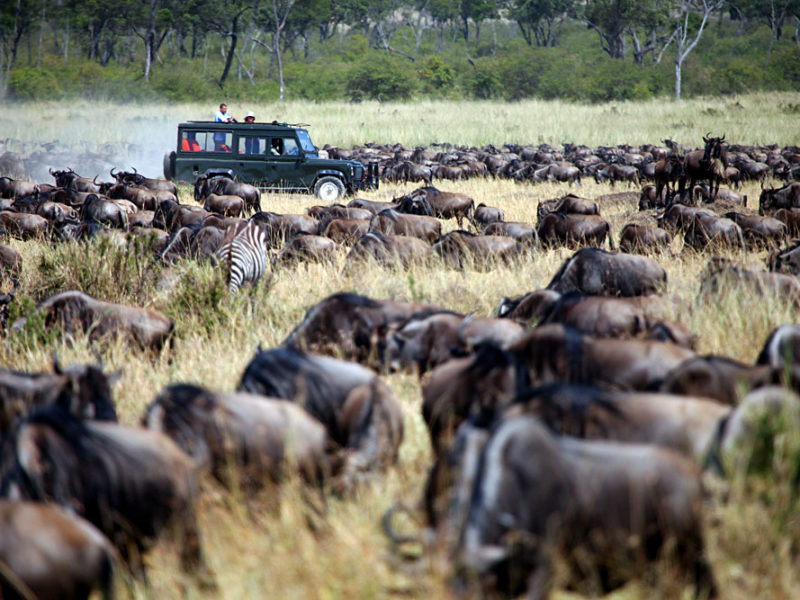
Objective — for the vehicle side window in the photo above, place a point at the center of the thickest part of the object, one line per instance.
(285, 146)
(223, 140)
(190, 142)
(253, 145)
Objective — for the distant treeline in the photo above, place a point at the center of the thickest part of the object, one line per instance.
(595, 50)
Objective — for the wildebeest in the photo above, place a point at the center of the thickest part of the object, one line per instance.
(48, 553)
(205, 185)
(680, 217)
(615, 172)
(137, 178)
(351, 326)
(83, 390)
(642, 238)
(226, 205)
(682, 423)
(786, 197)
(76, 312)
(553, 353)
(485, 215)
(604, 316)
(709, 163)
(462, 248)
(522, 232)
(484, 382)
(16, 188)
(760, 231)
(96, 209)
(561, 171)
(717, 377)
(337, 211)
(391, 222)
(667, 171)
(69, 179)
(786, 261)
(569, 204)
(722, 276)
(130, 483)
(524, 498)
(557, 229)
(10, 261)
(428, 340)
(371, 205)
(528, 308)
(345, 231)
(279, 228)
(446, 205)
(596, 272)
(782, 347)
(305, 247)
(704, 231)
(263, 439)
(358, 410)
(399, 251)
(23, 226)
(791, 218)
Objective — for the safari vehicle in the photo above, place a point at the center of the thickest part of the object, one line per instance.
(272, 156)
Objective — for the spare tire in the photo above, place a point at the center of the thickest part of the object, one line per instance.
(169, 165)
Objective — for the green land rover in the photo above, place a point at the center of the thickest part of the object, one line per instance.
(272, 156)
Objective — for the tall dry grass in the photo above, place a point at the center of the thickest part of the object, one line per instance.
(263, 546)
(762, 118)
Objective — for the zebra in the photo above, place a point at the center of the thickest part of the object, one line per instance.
(244, 252)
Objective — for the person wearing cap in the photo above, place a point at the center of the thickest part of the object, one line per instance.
(251, 145)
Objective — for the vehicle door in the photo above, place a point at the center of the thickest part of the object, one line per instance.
(251, 159)
(284, 162)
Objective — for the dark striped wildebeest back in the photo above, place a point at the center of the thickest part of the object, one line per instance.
(243, 251)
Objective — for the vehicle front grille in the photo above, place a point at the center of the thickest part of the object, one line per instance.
(358, 172)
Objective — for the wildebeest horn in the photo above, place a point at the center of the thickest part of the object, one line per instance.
(111, 172)
(50, 170)
(388, 530)
(94, 180)
(134, 170)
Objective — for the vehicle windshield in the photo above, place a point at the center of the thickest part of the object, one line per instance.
(305, 141)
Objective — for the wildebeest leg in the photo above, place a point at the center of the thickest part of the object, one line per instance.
(191, 553)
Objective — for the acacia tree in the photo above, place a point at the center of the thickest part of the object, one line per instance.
(538, 20)
(610, 19)
(683, 30)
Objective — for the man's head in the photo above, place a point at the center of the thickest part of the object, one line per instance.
(223, 108)
(250, 117)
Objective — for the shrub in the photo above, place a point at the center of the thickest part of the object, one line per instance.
(436, 75)
(33, 84)
(382, 77)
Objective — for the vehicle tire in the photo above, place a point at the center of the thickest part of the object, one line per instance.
(329, 189)
(169, 165)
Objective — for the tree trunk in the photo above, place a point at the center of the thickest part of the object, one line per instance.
(41, 36)
(678, 64)
(66, 43)
(229, 58)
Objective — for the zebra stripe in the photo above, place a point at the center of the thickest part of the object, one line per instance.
(244, 253)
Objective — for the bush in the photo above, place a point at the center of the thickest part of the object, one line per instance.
(436, 75)
(382, 77)
(33, 84)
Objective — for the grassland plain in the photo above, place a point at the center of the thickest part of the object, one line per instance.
(264, 546)
(752, 119)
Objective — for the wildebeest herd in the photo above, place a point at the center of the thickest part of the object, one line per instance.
(576, 424)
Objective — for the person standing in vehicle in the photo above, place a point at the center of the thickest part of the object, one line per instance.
(251, 145)
(222, 116)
